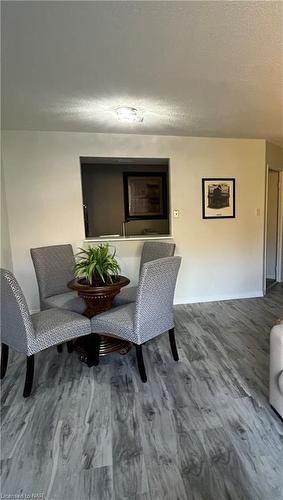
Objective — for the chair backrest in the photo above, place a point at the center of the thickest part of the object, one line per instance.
(54, 268)
(155, 295)
(16, 324)
(153, 250)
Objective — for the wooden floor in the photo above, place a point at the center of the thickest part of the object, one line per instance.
(200, 429)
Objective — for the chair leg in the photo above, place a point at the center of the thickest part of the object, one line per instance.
(59, 348)
(29, 376)
(4, 359)
(70, 346)
(141, 363)
(173, 344)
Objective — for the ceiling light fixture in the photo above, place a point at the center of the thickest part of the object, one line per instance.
(129, 115)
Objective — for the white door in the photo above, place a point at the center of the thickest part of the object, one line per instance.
(272, 224)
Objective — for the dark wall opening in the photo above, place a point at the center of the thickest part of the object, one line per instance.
(123, 197)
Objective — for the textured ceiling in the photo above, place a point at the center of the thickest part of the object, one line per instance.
(193, 68)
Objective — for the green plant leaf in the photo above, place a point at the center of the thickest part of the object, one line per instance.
(97, 263)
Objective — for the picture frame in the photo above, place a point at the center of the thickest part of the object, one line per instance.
(218, 198)
(145, 195)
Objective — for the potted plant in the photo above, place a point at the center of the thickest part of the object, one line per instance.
(97, 283)
(97, 266)
(97, 279)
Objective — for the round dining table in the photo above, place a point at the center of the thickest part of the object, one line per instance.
(98, 299)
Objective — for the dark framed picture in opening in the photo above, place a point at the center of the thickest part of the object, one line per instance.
(218, 198)
(145, 195)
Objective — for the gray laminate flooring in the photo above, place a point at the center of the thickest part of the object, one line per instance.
(200, 429)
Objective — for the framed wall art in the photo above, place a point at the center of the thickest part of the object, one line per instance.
(145, 195)
(218, 198)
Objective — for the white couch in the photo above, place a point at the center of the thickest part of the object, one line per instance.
(276, 368)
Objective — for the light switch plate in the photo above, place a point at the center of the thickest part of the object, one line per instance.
(176, 213)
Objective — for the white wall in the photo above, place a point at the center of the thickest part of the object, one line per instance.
(221, 258)
(6, 257)
(274, 156)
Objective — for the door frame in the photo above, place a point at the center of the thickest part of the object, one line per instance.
(279, 248)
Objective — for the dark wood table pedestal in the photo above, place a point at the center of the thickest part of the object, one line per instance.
(98, 299)
(85, 347)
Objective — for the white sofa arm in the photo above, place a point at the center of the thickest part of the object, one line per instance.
(276, 368)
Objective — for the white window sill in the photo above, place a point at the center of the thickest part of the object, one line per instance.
(129, 238)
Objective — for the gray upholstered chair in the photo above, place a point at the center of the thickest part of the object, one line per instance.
(54, 268)
(29, 334)
(152, 250)
(151, 314)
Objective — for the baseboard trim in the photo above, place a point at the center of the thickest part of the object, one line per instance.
(216, 298)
